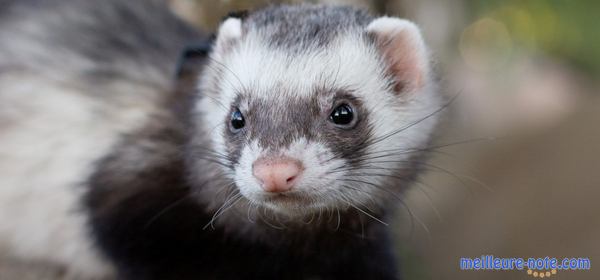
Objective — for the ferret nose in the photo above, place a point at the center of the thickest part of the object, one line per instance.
(277, 175)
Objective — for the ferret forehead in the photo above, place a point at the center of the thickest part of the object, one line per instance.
(298, 27)
(348, 62)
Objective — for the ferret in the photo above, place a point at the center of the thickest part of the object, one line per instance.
(282, 157)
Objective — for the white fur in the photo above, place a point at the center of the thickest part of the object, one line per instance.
(51, 134)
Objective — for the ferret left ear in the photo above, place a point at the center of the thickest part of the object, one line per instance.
(229, 32)
(402, 46)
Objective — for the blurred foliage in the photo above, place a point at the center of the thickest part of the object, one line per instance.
(558, 28)
(208, 13)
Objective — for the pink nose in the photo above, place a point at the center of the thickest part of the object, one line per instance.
(277, 175)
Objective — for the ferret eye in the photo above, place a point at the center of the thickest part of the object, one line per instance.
(342, 115)
(237, 120)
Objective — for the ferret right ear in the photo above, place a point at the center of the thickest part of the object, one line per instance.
(229, 32)
(403, 49)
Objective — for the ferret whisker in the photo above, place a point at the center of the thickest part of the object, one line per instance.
(320, 215)
(229, 188)
(430, 168)
(166, 209)
(251, 211)
(434, 168)
(226, 206)
(430, 202)
(277, 218)
(412, 216)
(329, 211)
(265, 218)
(240, 83)
(248, 209)
(367, 214)
(437, 111)
(395, 195)
(212, 129)
(362, 226)
(435, 149)
(312, 217)
(216, 100)
(339, 220)
(214, 155)
(462, 142)
(210, 150)
(370, 157)
(429, 199)
(223, 66)
(222, 159)
(215, 161)
(232, 195)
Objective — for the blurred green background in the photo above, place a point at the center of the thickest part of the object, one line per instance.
(567, 29)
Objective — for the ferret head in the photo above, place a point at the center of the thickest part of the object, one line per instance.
(309, 108)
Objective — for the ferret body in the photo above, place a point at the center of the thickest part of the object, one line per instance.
(285, 161)
(74, 76)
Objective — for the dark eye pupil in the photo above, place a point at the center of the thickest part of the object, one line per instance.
(342, 115)
(237, 119)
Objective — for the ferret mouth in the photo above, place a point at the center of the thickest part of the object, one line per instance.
(287, 198)
(288, 201)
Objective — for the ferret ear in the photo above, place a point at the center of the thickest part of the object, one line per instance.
(192, 58)
(402, 47)
(229, 32)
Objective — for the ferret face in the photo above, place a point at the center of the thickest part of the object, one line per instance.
(302, 124)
